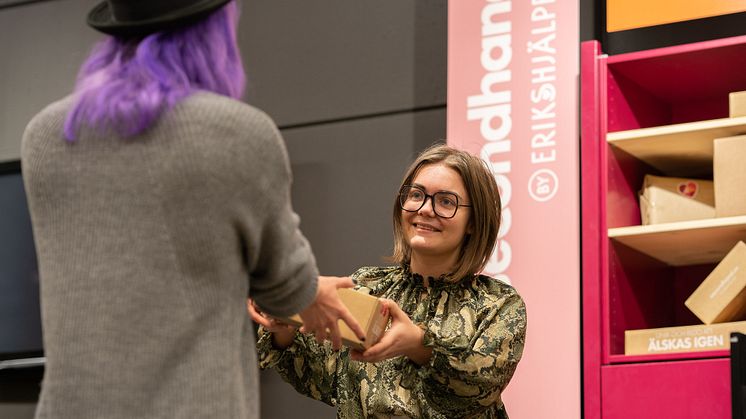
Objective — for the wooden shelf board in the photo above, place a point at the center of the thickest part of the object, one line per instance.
(684, 243)
(678, 149)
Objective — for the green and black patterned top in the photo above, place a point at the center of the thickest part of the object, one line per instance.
(476, 329)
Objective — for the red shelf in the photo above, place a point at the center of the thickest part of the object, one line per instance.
(647, 113)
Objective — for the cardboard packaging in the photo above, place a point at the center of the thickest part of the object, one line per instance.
(737, 104)
(729, 174)
(721, 297)
(367, 311)
(670, 199)
(695, 338)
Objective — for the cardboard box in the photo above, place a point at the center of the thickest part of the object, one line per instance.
(367, 311)
(737, 104)
(671, 199)
(729, 174)
(721, 297)
(695, 338)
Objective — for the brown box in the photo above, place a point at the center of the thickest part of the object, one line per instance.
(670, 199)
(367, 311)
(729, 174)
(695, 338)
(737, 104)
(721, 297)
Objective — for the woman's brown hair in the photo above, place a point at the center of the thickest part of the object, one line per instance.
(485, 208)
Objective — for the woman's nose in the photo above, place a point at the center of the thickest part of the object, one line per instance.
(427, 210)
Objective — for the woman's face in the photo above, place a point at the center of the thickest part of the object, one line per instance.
(429, 235)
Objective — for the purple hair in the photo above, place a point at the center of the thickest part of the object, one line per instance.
(126, 84)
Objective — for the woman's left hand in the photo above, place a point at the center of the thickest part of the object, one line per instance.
(403, 337)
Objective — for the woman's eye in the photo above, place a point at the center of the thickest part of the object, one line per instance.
(447, 202)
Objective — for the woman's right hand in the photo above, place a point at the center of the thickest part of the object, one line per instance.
(282, 333)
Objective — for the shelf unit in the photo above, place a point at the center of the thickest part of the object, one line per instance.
(651, 112)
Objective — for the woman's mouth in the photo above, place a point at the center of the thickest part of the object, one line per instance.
(423, 226)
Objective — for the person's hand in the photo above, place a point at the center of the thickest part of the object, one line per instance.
(403, 337)
(282, 333)
(320, 318)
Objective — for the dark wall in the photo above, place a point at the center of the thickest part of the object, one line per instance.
(357, 88)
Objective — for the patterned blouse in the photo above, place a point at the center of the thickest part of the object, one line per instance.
(476, 329)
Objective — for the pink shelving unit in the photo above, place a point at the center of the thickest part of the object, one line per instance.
(636, 108)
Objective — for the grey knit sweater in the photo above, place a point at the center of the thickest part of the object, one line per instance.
(148, 248)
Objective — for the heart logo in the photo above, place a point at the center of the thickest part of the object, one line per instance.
(688, 189)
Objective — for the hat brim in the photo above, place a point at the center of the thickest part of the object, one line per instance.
(102, 19)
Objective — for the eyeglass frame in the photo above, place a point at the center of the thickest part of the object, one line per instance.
(432, 200)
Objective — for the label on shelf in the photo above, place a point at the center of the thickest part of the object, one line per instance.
(694, 338)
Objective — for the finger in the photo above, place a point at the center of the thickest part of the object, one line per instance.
(378, 350)
(344, 282)
(393, 308)
(336, 338)
(356, 355)
(320, 335)
(348, 318)
(258, 318)
(344, 313)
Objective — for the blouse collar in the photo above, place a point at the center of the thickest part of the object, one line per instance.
(432, 282)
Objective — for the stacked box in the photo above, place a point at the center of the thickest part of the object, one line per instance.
(670, 199)
(737, 104)
(721, 297)
(729, 174)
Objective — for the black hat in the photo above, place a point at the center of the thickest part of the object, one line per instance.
(141, 17)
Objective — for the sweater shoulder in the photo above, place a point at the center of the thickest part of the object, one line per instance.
(206, 106)
(51, 116)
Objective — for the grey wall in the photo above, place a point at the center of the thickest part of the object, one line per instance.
(357, 88)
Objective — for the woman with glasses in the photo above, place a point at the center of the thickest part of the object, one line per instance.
(455, 336)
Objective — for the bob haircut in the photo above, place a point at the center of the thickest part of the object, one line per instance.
(484, 219)
(126, 83)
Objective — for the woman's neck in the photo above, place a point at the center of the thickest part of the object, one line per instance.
(430, 267)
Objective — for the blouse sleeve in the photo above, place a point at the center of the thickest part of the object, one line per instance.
(309, 367)
(472, 363)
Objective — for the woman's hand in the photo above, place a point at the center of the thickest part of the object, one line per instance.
(403, 337)
(282, 333)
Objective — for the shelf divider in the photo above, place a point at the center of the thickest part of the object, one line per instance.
(684, 243)
(679, 149)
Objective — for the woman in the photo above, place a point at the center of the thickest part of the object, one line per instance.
(156, 199)
(455, 336)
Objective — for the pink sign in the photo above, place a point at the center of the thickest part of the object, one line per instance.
(513, 71)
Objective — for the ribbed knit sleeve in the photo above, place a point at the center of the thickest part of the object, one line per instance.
(283, 269)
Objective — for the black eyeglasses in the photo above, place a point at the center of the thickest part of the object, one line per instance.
(413, 198)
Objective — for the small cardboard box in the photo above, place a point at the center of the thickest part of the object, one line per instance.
(737, 104)
(721, 297)
(695, 338)
(729, 174)
(367, 311)
(671, 199)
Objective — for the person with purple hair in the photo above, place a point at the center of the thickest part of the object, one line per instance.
(159, 203)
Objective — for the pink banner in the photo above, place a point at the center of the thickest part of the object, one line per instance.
(513, 72)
